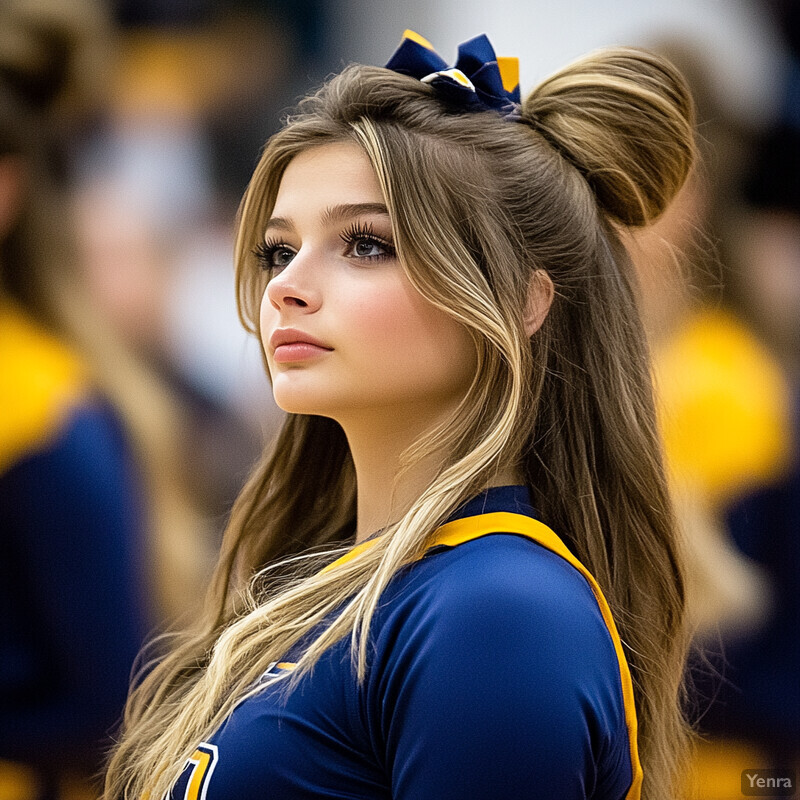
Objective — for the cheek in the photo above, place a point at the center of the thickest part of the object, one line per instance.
(380, 319)
(409, 341)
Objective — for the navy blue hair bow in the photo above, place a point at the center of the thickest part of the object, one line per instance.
(480, 81)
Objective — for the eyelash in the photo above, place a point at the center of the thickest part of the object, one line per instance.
(357, 232)
(265, 251)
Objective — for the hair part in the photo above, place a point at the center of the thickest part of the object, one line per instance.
(571, 406)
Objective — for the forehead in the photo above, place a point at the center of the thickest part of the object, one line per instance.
(328, 174)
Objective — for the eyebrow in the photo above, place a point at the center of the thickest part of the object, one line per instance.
(334, 214)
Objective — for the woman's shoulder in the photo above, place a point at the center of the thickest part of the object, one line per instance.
(500, 586)
(504, 566)
(42, 380)
(499, 639)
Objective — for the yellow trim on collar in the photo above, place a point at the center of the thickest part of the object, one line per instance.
(454, 533)
(350, 554)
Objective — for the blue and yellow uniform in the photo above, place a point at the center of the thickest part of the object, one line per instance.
(73, 608)
(496, 671)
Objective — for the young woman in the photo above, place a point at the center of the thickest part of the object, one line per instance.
(447, 316)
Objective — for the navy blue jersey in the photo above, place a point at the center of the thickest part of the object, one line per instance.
(496, 671)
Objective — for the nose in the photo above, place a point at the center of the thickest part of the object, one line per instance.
(295, 286)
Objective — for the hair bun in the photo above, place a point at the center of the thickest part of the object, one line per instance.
(625, 118)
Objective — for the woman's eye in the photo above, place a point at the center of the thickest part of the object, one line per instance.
(362, 243)
(272, 257)
(281, 257)
(364, 248)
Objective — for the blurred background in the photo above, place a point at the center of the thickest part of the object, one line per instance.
(132, 404)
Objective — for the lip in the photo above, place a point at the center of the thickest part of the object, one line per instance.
(290, 344)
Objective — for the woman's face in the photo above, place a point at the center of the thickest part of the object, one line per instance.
(377, 346)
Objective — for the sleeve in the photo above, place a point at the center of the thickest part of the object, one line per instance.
(506, 686)
(75, 607)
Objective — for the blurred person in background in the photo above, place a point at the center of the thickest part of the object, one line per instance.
(723, 396)
(725, 407)
(759, 702)
(98, 545)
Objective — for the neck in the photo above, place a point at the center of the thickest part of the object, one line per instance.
(384, 494)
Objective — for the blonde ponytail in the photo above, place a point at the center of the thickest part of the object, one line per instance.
(624, 118)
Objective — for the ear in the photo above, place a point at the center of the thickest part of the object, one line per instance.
(12, 189)
(540, 297)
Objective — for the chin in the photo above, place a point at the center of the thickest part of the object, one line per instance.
(294, 402)
(296, 406)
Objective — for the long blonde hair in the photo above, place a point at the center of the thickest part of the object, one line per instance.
(478, 204)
